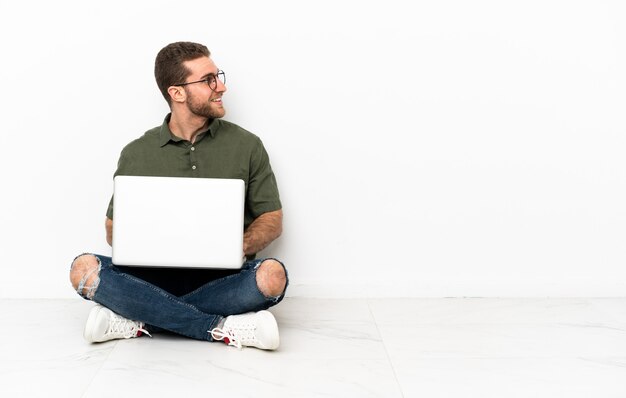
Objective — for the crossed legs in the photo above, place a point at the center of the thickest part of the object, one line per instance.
(258, 286)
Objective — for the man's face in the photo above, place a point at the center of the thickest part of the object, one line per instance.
(201, 99)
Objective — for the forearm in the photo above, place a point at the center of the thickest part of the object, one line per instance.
(263, 231)
(108, 225)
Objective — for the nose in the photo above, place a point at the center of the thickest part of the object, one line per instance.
(220, 87)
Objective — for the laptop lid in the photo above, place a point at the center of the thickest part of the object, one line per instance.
(178, 222)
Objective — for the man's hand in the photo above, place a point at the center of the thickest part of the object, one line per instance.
(108, 225)
(263, 230)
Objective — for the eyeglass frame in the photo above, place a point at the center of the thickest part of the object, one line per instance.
(206, 80)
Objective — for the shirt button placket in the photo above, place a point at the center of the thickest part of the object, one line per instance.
(192, 158)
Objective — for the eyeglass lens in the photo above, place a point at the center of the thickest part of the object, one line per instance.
(213, 79)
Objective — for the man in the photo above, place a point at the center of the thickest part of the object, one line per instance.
(193, 141)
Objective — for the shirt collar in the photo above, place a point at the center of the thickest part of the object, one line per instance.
(166, 134)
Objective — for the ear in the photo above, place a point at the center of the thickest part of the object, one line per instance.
(177, 93)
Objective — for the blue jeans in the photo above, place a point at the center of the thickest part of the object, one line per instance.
(194, 314)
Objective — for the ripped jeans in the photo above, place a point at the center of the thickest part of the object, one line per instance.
(193, 315)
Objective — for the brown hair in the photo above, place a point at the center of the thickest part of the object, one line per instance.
(169, 68)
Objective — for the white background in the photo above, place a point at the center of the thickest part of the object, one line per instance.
(426, 148)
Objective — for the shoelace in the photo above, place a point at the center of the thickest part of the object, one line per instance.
(227, 335)
(237, 336)
(120, 326)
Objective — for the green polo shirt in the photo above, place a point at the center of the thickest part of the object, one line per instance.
(223, 150)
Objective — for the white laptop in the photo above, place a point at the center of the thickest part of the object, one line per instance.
(178, 222)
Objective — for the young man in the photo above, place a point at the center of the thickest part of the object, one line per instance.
(193, 141)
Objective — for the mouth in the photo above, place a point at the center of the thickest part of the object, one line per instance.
(217, 100)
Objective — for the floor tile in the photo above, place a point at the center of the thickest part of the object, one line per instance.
(172, 366)
(331, 310)
(612, 307)
(503, 341)
(487, 310)
(328, 329)
(512, 377)
(42, 349)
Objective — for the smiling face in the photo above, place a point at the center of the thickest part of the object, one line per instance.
(201, 100)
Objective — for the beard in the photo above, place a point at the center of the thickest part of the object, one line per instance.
(204, 109)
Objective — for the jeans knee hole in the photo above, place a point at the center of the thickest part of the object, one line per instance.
(87, 288)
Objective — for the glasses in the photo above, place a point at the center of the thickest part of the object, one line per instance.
(210, 80)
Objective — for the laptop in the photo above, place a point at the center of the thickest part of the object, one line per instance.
(178, 222)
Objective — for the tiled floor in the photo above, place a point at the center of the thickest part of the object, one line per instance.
(334, 348)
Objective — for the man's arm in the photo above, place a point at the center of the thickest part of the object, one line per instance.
(108, 225)
(263, 230)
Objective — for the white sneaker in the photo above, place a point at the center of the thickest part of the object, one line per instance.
(254, 329)
(104, 324)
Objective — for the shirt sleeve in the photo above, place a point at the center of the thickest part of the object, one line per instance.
(122, 165)
(262, 195)
(110, 209)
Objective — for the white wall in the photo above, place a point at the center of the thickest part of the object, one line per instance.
(426, 148)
